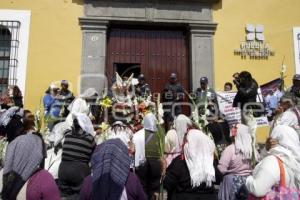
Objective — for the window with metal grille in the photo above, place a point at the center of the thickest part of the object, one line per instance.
(9, 44)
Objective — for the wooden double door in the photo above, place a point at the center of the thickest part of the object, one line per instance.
(155, 52)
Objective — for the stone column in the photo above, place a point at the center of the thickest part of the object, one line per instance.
(93, 54)
(201, 51)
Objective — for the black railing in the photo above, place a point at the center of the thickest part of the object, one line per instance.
(9, 45)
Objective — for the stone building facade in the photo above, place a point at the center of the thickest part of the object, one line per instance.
(193, 16)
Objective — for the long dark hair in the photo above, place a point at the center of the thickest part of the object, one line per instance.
(76, 128)
(17, 92)
(48, 90)
(246, 78)
(246, 75)
(28, 122)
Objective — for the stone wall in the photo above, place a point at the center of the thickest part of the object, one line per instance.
(194, 15)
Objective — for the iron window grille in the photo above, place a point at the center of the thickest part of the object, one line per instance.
(9, 45)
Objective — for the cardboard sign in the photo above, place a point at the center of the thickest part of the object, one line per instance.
(233, 115)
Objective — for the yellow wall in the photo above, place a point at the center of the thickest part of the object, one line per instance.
(55, 43)
(278, 17)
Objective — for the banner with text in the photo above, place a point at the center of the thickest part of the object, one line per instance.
(233, 115)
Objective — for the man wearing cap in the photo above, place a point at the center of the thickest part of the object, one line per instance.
(65, 97)
(143, 88)
(205, 93)
(173, 93)
(49, 98)
(52, 105)
(295, 89)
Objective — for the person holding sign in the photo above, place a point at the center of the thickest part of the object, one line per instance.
(228, 87)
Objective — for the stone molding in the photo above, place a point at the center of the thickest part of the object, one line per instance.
(92, 23)
(205, 28)
(99, 14)
(143, 11)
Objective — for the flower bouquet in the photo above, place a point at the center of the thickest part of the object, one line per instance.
(104, 127)
(106, 102)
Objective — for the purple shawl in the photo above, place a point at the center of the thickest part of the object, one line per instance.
(226, 187)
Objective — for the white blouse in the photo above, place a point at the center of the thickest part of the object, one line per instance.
(265, 175)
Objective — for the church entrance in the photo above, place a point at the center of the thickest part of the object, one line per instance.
(155, 52)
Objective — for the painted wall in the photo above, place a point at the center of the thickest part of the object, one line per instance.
(278, 18)
(55, 43)
(55, 40)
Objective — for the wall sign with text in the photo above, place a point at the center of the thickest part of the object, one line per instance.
(255, 46)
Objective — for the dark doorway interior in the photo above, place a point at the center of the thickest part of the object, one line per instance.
(126, 69)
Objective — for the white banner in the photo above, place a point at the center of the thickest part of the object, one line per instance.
(233, 115)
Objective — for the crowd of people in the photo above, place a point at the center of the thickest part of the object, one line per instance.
(133, 145)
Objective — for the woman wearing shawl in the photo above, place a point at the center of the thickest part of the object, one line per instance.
(23, 174)
(11, 124)
(111, 178)
(77, 150)
(121, 131)
(288, 113)
(125, 134)
(280, 167)
(235, 164)
(17, 126)
(82, 104)
(174, 137)
(150, 170)
(55, 138)
(191, 175)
